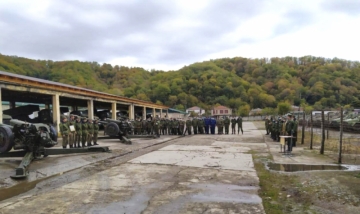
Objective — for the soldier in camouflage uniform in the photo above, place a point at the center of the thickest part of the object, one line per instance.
(195, 125)
(181, 126)
(84, 130)
(71, 124)
(96, 131)
(296, 124)
(233, 125)
(64, 130)
(188, 126)
(137, 126)
(78, 128)
(163, 126)
(220, 125)
(90, 132)
(143, 127)
(239, 122)
(156, 126)
(267, 122)
(149, 126)
(176, 126)
(227, 124)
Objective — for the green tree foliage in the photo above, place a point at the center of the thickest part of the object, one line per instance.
(234, 82)
(283, 108)
(244, 110)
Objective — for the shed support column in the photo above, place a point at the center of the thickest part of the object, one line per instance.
(1, 115)
(161, 111)
(131, 111)
(154, 112)
(90, 105)
(12, 104)
(56, 111)
(144, 113)
(167, 113)
(113, 111)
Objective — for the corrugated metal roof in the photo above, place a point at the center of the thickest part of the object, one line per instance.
(69, 86)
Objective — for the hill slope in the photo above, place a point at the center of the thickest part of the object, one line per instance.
(316, 81)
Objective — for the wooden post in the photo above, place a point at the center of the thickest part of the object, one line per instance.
(328, 126)
(311, 131)
(341, 135)
(322, 147)
(303, 129)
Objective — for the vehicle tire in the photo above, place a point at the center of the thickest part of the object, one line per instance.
(53, 133)
(112, 129)
(6, 139)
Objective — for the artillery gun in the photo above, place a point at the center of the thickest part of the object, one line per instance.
(32, 141)
(120, 129)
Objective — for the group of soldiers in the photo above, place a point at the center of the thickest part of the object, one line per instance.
(78, 132)
(178, 126)
(283, 126)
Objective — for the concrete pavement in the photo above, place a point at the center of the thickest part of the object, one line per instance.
(195, 174)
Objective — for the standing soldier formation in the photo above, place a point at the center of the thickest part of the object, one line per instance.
(75, 131)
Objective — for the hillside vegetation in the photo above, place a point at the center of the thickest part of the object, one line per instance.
(235, 82)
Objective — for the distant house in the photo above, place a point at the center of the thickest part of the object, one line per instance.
(221, 111)
(296, 108)
(256, 111)
(196, 109)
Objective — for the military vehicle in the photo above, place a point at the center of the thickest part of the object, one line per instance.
(32, 141)
(335, 123)
(352, 124)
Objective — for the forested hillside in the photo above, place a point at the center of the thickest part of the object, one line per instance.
(234, 82)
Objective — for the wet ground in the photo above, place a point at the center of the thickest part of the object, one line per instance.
(192, 174)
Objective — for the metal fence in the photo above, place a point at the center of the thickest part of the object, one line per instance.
(331, 134)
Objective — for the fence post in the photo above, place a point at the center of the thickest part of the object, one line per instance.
(328, 126)
(311, 131)
(303, 129)
(341, 135)
(322, 133)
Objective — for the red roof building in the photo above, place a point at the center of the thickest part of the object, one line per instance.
(221, 111)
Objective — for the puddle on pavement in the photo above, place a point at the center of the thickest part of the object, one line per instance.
(20, 188)
(302, 167)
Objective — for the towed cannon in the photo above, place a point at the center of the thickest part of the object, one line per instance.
(32, 141)
(117, 129)
(120, 129)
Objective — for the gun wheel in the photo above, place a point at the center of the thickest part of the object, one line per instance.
(6, 139)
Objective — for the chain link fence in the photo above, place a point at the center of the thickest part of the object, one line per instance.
(332, 134)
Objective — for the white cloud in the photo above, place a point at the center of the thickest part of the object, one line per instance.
(170, 34)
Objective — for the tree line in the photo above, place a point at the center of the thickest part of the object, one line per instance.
(239, 83)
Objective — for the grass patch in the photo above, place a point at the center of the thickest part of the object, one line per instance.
(281, 193)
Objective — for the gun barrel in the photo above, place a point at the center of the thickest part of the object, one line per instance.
(111, 120)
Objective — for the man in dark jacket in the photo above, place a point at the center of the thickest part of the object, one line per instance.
(207, 125)
(212, 125)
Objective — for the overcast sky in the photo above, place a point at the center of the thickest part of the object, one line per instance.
(168, 34)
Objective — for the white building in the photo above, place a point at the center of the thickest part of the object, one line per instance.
(196, 109)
